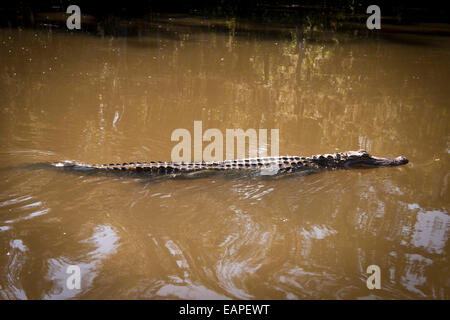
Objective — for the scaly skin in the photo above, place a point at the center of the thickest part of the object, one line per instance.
(276, 165)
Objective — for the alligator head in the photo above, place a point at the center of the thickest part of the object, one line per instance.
(362, 159)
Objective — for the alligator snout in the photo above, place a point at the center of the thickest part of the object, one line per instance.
(401, 160)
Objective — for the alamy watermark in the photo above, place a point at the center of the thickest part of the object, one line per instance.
(373, 21)
(74, 280)
(214, 150)
(374, 280)
(74, 20)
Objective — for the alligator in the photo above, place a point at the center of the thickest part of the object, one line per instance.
(264, 165)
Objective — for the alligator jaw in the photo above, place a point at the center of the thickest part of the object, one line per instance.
(375, 162)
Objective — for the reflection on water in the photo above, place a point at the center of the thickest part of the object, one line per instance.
(430, 230)
(105, 99)
(104, 240)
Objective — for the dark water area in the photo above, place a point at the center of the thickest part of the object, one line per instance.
(101, 98)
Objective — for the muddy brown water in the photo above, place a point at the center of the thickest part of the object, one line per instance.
(118, 99)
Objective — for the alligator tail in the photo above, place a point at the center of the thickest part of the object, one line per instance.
(71, 164)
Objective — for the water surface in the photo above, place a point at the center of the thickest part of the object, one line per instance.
(104, 99)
